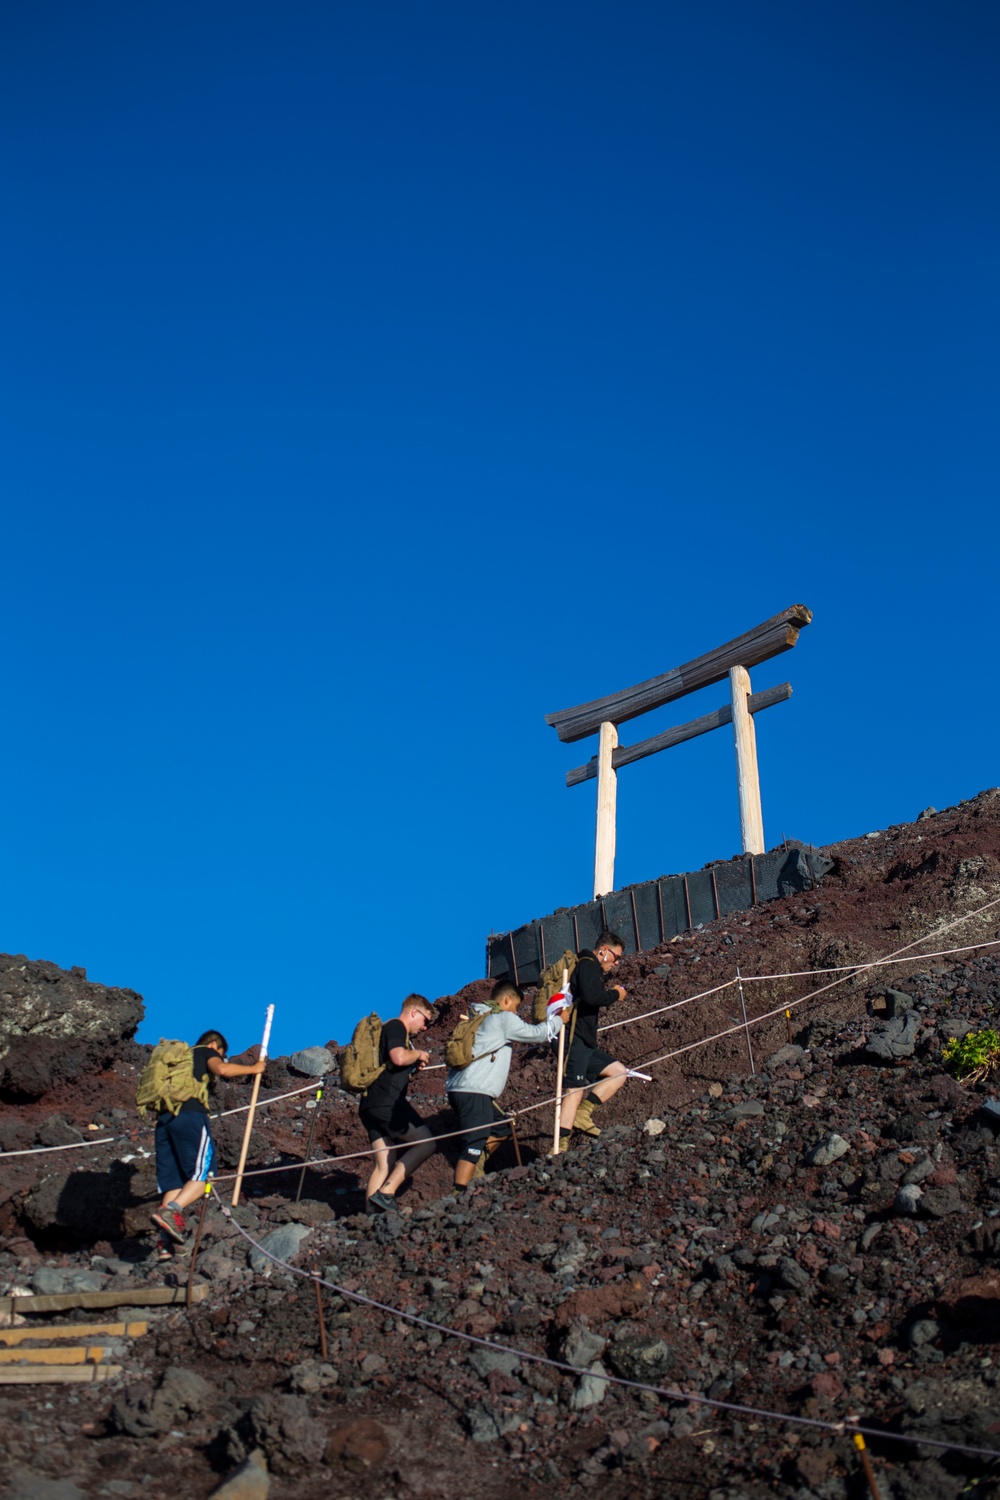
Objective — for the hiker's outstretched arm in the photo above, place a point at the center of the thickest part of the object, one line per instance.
(234, 1070)
(517, 1030)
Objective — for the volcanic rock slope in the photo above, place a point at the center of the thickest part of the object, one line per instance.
(813, 1238)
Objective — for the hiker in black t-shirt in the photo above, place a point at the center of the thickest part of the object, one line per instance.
(387, 1114)
(587, 1067)
(184, 1150)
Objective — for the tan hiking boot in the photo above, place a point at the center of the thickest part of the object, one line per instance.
(584, 1121)
(564, 1143)
(479, 1170)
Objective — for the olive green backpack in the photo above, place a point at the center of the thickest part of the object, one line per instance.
(550, 983)
(167, 1081)
(360, 1063)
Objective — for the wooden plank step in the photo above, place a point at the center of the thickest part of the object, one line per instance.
(13, 1336)
(57, 1374)
(91, 1354)
(150, 1296)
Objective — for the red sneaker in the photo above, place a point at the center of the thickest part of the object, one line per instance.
(172, 1222)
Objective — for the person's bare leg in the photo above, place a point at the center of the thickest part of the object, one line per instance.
(463, 1172)
(189, 1193)
(380, 1171)
(409, 1161)
(570, 1105)
(610, 1082)
(465, 1169)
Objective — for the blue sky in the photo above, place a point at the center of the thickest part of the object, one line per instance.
(379, 377)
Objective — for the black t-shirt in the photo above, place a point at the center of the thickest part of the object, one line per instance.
(390, 1086)
(199, 1067)
(589, 990)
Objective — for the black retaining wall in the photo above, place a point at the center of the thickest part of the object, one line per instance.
(647, 915)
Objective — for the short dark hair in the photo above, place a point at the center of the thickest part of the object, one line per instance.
(609, 939)
(506, 987)
(418, 1002)
(213, 1039)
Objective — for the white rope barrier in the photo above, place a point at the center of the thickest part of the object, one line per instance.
(110, 1140)
(847, 1427)
(848, 971)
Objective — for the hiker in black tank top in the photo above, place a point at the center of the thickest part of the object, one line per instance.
(387, 1114)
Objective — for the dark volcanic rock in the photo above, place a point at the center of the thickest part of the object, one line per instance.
(55, 1025)
(283, 1429)
(897, 1003)
(58, 1132)
(894, 1039)
(143, 1411)
(15, 1134)
(641, 1359)
(736, 1255)
(74, 1207)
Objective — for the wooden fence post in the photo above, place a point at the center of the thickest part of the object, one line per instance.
(748, 781)
(607, 790)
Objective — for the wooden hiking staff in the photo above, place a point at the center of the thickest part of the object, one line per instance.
(269, 1017)
(559, 1071)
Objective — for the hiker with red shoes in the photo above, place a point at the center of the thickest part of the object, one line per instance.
(175, 1084)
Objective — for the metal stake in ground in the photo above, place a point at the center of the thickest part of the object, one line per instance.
(314, 1106)
(746, 1023)
(322, 1320)
(859, 1443)
(197, 1244)
(269, 1017)
(513, 1132)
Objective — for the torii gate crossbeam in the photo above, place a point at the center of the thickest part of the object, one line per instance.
(603, 716)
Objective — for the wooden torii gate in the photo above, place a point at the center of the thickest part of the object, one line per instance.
(603, 716)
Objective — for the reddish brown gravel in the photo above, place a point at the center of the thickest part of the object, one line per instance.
(815, 1240)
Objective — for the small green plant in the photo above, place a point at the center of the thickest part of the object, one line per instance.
(973, 1056)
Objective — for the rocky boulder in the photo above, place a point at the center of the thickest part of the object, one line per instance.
(79, 1207)
(148, 1411)
(55, 1025)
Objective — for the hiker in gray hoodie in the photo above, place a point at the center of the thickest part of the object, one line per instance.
(474, 1090)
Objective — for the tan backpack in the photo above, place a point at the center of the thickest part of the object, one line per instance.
(550, 983)
(360, 1063)
(167, 1081)
(459, 1050)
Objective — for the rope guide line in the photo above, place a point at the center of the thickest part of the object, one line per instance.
(109, 1140)
(848, 1426)
(742, 1028)
(847, 970)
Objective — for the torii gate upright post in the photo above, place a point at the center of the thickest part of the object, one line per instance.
(747, 775)
(607, 799)
(603, 716)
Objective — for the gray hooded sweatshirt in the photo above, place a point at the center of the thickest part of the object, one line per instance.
(487, 1073)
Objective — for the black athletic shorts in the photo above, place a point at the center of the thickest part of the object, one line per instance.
(184, 1150)
(482, 1111)
(585, 1064)
(390, 1124)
